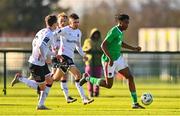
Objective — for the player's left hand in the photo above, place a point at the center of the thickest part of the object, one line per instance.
(138, 48)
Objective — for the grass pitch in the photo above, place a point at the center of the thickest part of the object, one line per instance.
(22, 100)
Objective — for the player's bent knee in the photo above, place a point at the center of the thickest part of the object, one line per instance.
(56, 78)
(49, 81)
(64, 78)
(41, 85)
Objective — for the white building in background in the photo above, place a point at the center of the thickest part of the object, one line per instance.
(162, 39)
(159, 39)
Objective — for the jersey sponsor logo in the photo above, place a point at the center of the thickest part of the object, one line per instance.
(71, 41)
(46, 39)
(58, 40)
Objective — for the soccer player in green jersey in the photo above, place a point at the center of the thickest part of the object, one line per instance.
(113, 61)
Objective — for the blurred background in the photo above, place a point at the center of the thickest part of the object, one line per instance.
(20, 19)
(154, 25)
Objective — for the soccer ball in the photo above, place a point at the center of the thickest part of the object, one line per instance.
(146, 98)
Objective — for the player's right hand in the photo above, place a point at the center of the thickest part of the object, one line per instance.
(60, 58)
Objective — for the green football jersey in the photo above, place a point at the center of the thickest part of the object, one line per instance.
(114, 40)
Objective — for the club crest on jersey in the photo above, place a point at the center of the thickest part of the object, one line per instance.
(59, 31)
(77, 35)
(46, 39)
(120, 42)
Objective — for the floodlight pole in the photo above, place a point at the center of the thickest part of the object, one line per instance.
(4, 89)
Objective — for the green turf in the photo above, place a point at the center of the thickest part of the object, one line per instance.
(21, 100)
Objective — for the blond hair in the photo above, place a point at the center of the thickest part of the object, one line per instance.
(62, 14)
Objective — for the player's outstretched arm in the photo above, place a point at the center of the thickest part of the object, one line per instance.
(124, 45)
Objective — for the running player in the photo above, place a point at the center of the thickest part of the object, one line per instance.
(113, 61)
(38, 67)
(62, 22)
(70, 41)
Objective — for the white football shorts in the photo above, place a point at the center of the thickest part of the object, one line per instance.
(118, 65)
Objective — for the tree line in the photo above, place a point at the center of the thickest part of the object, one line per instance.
(28, 15)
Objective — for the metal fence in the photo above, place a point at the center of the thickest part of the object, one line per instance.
(164, 66)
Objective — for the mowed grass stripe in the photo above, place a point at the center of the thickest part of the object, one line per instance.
(21, 100)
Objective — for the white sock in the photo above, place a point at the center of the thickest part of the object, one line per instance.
(64, 89)
(42, 98)
(80, 90)
(30, 83)
(47, 89)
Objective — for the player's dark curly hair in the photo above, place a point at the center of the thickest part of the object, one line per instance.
(121, 17)
(50, 20)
